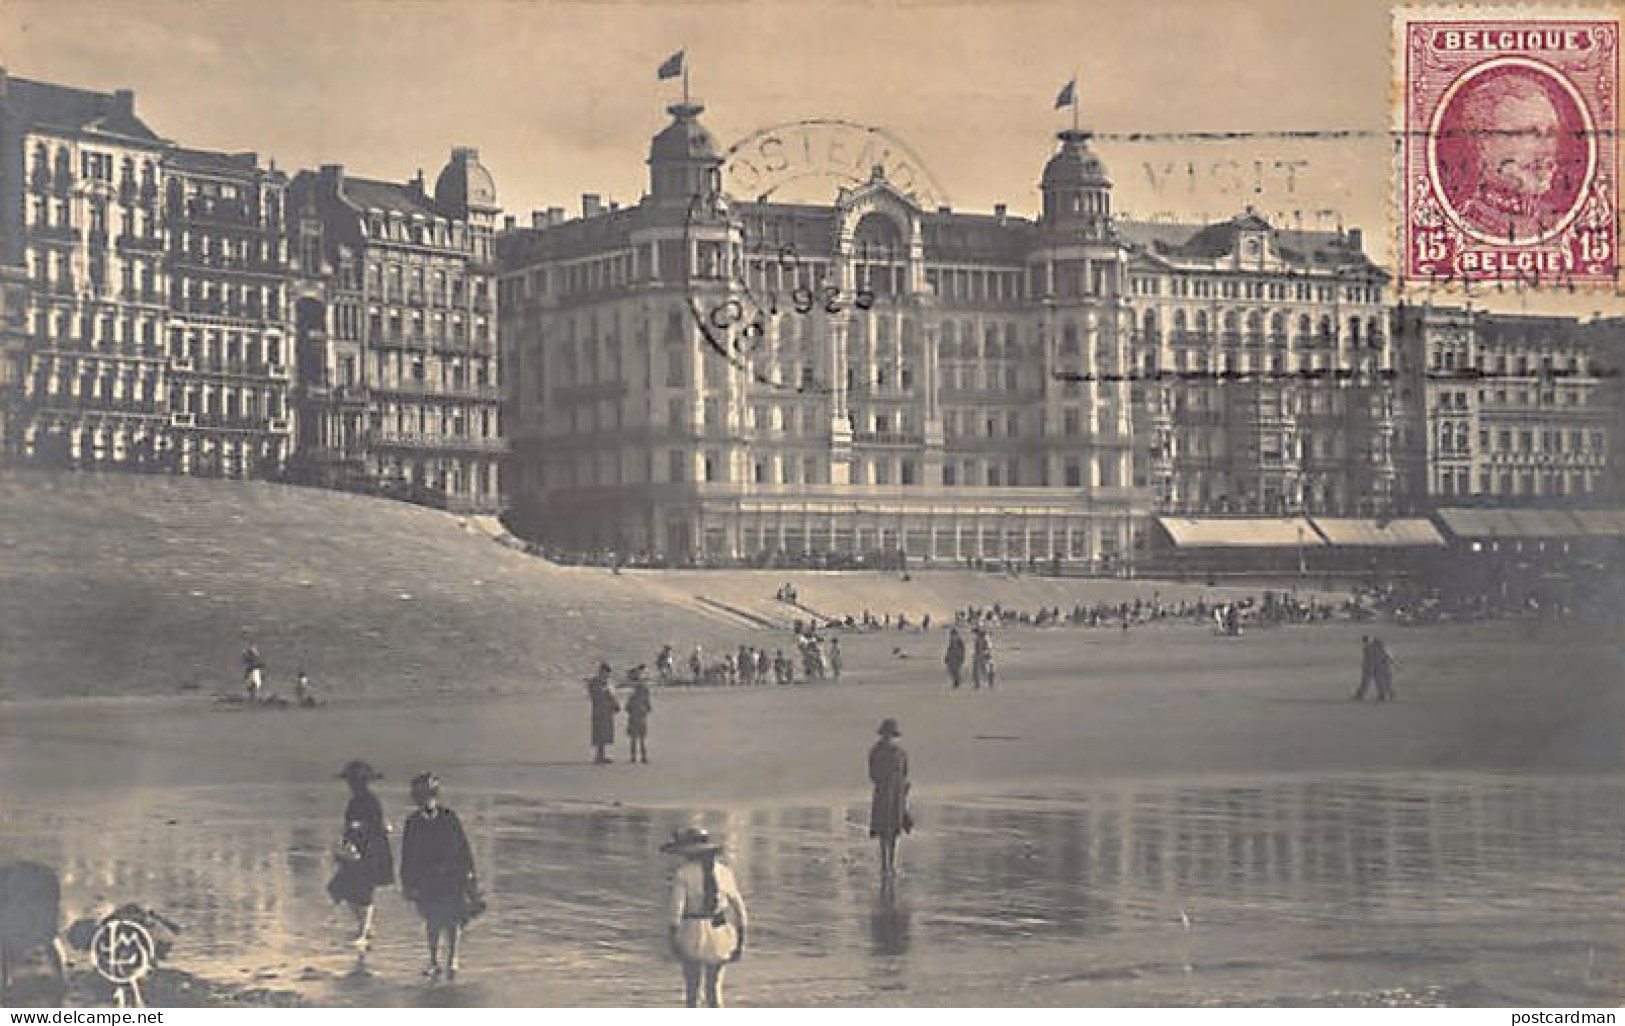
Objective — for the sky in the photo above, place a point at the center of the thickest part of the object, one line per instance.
(561, 97)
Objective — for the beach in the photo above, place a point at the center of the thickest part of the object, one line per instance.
(1158, 816)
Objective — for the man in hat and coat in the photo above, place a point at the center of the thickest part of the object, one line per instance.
(889, 816)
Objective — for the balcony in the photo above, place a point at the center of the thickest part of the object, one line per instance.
(128, 244)
(913, 441)
(427, 442)
(55, 233)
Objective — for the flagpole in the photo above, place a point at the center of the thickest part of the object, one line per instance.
(1074, 99)
(685, 76)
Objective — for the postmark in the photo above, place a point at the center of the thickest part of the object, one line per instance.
(817, 151)
(1509, 146)
(777, 279)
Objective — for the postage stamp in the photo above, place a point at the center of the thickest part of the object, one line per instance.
(1509, 126)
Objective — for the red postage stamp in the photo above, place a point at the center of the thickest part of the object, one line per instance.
(1510, 147)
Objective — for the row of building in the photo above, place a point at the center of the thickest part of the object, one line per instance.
(700, 376)
(201, 312)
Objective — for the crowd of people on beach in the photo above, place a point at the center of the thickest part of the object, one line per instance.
(815, 658)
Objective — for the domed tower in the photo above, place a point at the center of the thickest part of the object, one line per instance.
(683, 159)
(1077, 193)
(1079, 269)
(465, 190)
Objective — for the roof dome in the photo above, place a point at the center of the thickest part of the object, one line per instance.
(464, 183)
(685, 138)
(1075, 164)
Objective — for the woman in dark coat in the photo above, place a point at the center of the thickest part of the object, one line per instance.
(365, 861)
(604, 708)
(437, 872)
(888, 812)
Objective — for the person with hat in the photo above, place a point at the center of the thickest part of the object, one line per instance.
(604, 708)
(364, 859)
(437, 872)
(638, 708)
(707, 914)
(954, 657)
(888, 811)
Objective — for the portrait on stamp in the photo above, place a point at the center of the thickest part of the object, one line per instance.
(1510, 150)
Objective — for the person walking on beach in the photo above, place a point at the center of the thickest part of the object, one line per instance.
(835, 659)
(604, 708)
(981, 667)
(638, 708)
(437, 873)
(365, 861)
(954, 657)
(253, 673)
(889, 816)
(1366, 680)
(706, 925)
(1382, 670)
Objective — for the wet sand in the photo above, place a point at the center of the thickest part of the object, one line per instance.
(1162, 817)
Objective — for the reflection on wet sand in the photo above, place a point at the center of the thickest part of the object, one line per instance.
(1484, 889)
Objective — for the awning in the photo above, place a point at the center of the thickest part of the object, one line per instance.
(1241, 532)
(1386, 534)
(1520, 523)
(1601, 523)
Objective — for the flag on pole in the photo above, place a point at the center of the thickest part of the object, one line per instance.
(671, 67)
(1068, 96)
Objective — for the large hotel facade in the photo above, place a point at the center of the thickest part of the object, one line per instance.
(950, 386)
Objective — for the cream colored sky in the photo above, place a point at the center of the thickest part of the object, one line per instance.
(561, 98)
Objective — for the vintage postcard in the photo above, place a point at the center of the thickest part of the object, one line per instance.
(650, 504)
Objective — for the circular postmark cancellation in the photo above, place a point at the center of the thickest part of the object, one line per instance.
(797, 163)
(776, 160)
(1510, 153)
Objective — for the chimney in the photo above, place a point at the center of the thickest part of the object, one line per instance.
(613, 206)
(417, 181)
(1356, 239)
(590, 204)
(332, 174)
(555, 215)
(3, 82)
(945, 209)
(538, 219)
(508, 223)
(124, 102)
(999, 211)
